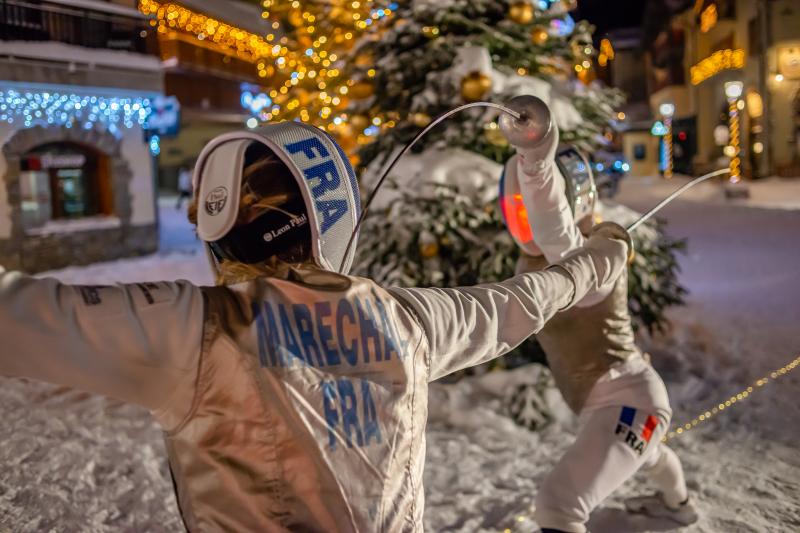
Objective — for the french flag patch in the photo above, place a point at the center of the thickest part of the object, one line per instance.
(636, 439)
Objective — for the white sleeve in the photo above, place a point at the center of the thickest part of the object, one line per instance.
(549, 214)
(470, 325)
(543, 190)
(139, 343)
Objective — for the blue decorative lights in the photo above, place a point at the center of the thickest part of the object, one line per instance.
(64, 108)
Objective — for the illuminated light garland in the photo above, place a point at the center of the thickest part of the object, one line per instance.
(735, 164)
(708, 18)
(668, 147)
(706, 415)
(715, 63)
(738, 397)
(168, 16)
(66, 108)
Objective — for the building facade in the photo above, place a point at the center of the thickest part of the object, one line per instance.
(208, 78)
(78, 81)
(719, 41)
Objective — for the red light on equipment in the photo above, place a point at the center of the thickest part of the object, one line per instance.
(516, 218)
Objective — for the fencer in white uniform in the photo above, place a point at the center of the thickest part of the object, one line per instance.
(293, 397)
(621, 401)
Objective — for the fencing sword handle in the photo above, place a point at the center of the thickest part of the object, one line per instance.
(647, 216)
(531, 126)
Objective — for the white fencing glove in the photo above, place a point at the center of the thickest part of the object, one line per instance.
(596, 266)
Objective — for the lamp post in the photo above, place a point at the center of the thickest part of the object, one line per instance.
(667, 110)
(733, 91)
(734, 189)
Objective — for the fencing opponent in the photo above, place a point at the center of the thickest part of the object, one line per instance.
(621, 401)
(293, 397)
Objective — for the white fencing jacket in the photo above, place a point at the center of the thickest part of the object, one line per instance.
(294, 404)
(582, 343)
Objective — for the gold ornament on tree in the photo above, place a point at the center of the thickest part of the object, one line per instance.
(475, 86)
(296, 18)
(361, 89)
(431, 32)
(428, 246)
(364, 60)
(359, 122)
(539, 36)
(521, 12)
(421, 119)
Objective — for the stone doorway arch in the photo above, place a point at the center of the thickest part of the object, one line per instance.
(41, 252)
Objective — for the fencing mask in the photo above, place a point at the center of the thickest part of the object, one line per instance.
(323, 208)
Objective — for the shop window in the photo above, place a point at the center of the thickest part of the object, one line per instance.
(639, 152)
(61, 181)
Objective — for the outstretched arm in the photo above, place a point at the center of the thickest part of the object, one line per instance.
(137, 342)
(544, 195)
(468, 326)
(543, 190)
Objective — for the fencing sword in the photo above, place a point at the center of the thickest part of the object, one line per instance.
(644, 218)
(525, 120)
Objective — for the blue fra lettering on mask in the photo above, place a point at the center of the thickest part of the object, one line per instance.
(323, 177)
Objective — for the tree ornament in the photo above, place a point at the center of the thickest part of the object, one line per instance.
(421, 119)
(364, 60)
(428, 245)
(303, 96)
(431, 32)
(361, 89)
(296, 18)
(521, 12)
(539, 36)
(569, 5)
(429, 250)
(359, 122)
(305, 42)
(475, 86)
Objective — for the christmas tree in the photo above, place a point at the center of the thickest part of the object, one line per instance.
(437, 220)
(304, 73)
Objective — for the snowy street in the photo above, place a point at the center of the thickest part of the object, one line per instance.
(76, 462)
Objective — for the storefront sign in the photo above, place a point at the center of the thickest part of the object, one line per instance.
(165, 117)
(715, 63)
(62, 160)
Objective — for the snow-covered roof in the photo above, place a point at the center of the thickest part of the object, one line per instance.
(68, 53)
(103, 7)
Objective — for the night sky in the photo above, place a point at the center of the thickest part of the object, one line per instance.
(607, 15)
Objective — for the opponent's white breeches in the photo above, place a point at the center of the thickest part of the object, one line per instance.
(620, 431)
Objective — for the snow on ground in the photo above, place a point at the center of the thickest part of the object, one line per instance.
(70, 461)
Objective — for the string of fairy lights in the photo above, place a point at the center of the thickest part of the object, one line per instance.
(736, 398)
(706, 415)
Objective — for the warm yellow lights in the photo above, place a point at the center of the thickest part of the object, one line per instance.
(606, 48)
(716, 62)
(297, 62)
(743, 395)
(247, 46)
(708, 18)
